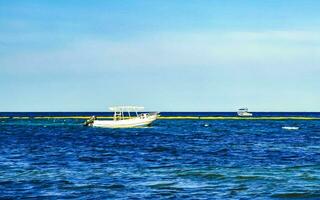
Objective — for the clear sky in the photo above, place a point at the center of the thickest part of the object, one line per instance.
(166, 55)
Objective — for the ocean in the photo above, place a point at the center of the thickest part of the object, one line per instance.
(58, 158)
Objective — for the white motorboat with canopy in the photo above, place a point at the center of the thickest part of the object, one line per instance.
(124, 117)
(243, 112)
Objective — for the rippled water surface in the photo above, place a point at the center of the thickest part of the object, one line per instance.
(173, 159)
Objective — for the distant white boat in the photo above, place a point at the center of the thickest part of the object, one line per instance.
(123, 118)
(243, 112)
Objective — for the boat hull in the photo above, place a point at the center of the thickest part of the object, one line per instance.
(127, 123)
(245, 114)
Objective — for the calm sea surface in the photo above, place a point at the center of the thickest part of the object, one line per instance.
(173, 159)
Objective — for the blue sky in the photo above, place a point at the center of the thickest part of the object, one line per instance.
(164, 55)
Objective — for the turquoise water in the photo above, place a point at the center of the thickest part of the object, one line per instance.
(173, 159)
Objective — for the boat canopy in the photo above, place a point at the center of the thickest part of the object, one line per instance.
(126, 108)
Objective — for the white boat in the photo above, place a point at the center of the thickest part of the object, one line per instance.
(123, 118)
(243, 112)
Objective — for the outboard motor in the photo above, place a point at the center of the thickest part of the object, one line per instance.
(90, 121)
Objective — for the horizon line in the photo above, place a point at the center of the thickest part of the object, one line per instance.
(159, 111)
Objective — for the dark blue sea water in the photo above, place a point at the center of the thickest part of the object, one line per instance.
(173, 159)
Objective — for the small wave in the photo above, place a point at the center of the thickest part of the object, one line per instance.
(200, 174)
(223, 151)
(290, 127)
(248, 177)
(308, 177)
(289, 157)
(160, 149)
(90, 159)
(161, 185)
(297, 195)
(114, 186)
